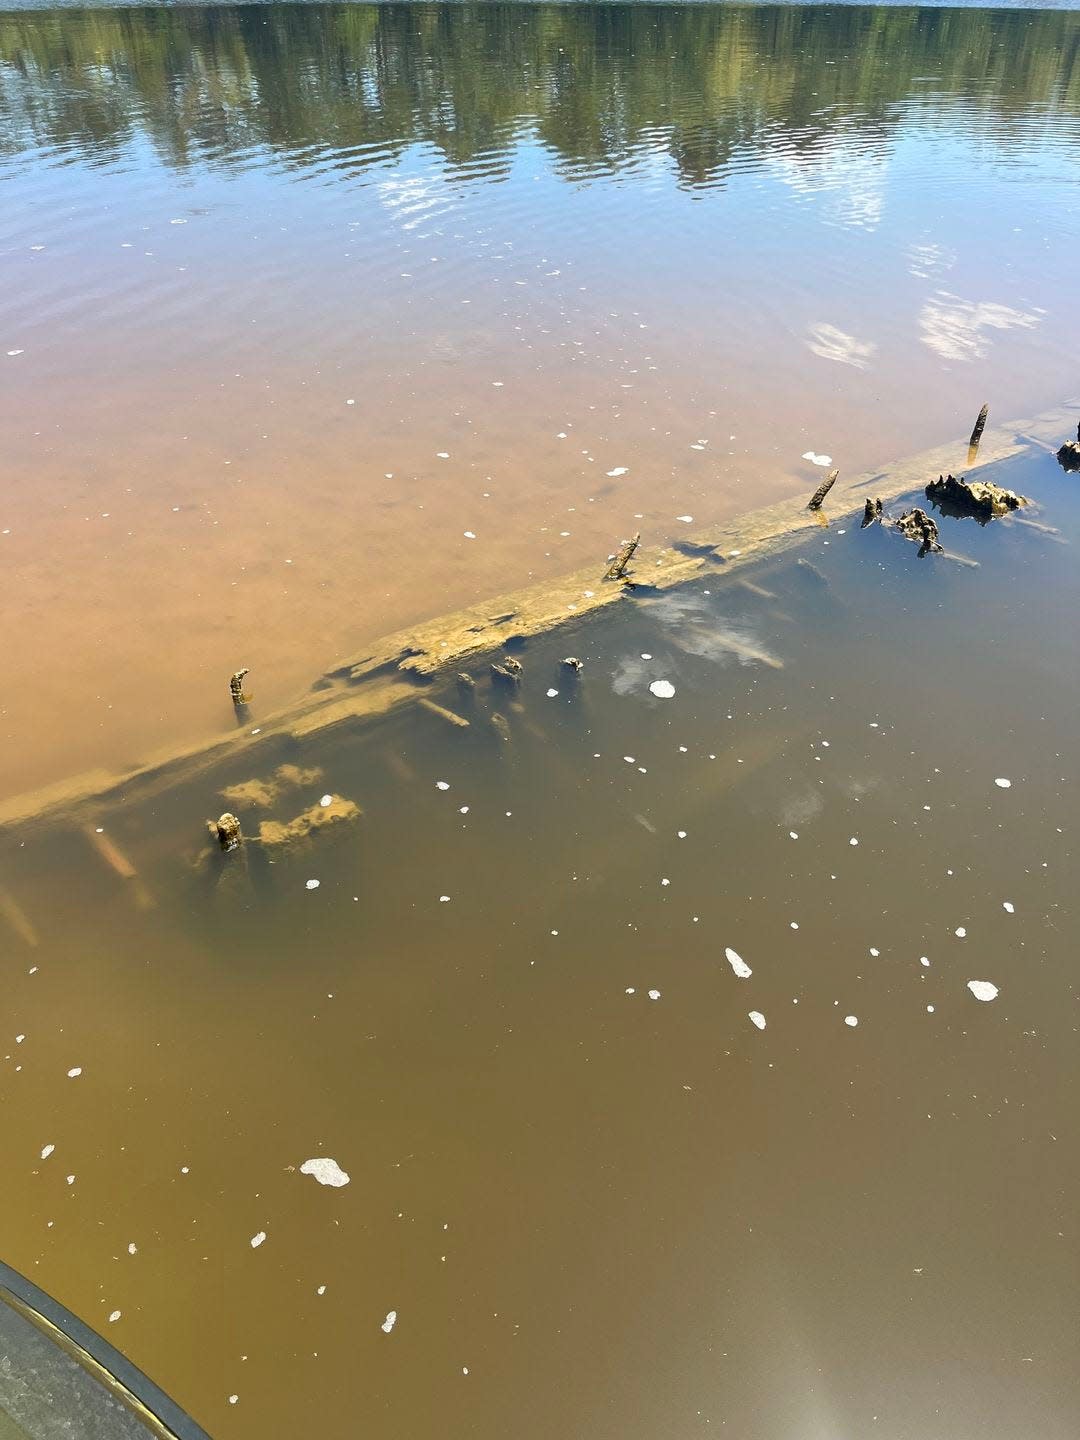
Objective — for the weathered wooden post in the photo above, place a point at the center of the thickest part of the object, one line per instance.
(822, 490)
(236, 688)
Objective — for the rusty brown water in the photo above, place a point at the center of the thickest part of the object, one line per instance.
(596, 1198)
(298, 299)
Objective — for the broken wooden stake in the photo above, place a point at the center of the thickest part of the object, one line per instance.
(617, 568)
(441, 711)
(113, 856)
(917, 525)
(1069, 454)
(236, 688)
(510, 669)
(17, 918)
(226, 830)
(822, 490)
(980, 426)
(872, 512)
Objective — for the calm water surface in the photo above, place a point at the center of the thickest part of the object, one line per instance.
(295, 296)
(601, 1201)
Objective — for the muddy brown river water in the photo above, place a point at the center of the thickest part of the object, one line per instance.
(299, 299)
(684, 1047)
(698, 1061)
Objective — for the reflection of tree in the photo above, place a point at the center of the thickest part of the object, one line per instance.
(600, 83)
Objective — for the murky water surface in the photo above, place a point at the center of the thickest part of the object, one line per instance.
(319, 320)
(676, 1063)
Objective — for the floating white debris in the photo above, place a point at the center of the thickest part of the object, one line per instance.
(654, 994)
(681, 834)
(630, 990)
(114, 1317)
(738, 964)
(14, 352)
(686, 519)
(551, 694)
(817, 459)
(960, 932)
(442, 785)
(444, 899)
(469, 534)
(326, 800)
(47, 1151)
(1002, 783)
(794, 834)
(321, 1290)
(853, 841)
(1008, 907)
(325, 1171)
(619, 470)
(758, 1019)
(133, 1249)
(984, 990)
(662, 689)
(464, 810)
(312, 885)
(257, 1240)
(851, 1020)
(442, 454)
(74, 1072)
(924, 961)
(389, 1323)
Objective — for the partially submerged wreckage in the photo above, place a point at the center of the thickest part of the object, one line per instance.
(397, 669)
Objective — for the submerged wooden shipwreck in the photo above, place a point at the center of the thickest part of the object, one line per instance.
(397, 669)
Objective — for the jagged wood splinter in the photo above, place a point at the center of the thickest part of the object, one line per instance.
(617, 569)
(822, 490)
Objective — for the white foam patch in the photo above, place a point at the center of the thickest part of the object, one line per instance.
(758, 1019)
(325, 1171)
(815, 459)
(662, 689)
(984, 990)
(551, 694)
(654, 994)
(312, 885)
(257, 1240)
(389, 1323)
(1008, 907)
(1002, 783)
(851, 1020)
(619, 470)
(442, 785)
(74, 1072)
(738, 964)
